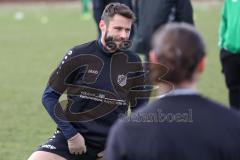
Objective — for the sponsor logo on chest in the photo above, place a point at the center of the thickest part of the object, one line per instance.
(92, 71)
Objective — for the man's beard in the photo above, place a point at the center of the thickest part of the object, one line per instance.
(114, 45)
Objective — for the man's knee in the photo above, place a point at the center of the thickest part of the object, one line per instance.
(42, 155)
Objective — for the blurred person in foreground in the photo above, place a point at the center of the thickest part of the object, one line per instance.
(181, 124)
(101, 79)
(229, 43)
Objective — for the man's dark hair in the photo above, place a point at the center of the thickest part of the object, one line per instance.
(179, 47)
(117, 8)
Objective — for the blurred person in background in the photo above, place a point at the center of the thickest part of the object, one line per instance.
(98, 78)
(229, 43)
(152, 14)
(182, 124)
(85, 9)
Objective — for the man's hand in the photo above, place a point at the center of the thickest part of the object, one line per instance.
(76, 145)
(100, 155)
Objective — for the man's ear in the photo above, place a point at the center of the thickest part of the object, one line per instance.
(153, 57)
(102, 25)
(201, 65)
